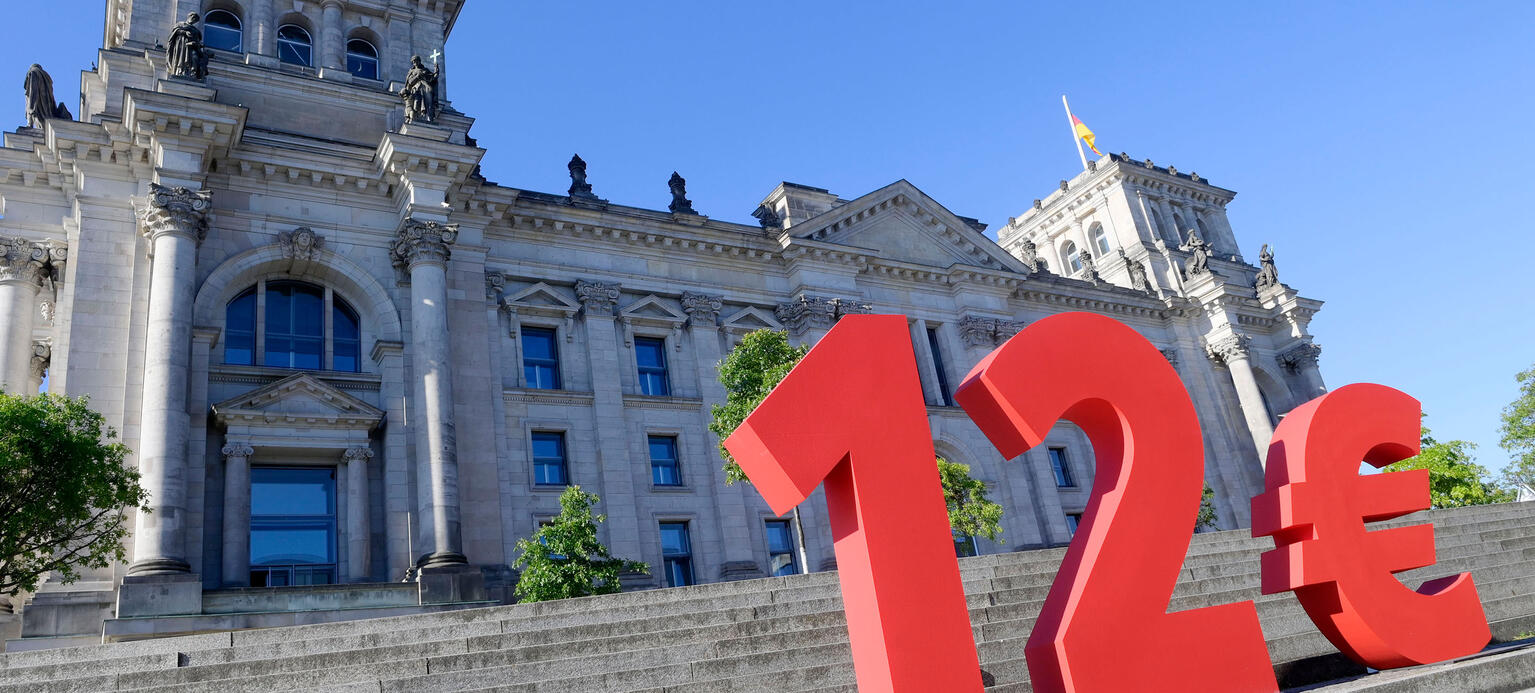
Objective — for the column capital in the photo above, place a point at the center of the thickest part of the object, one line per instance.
(357, 454)
(174, 210)
(806, 312)
(495, 285)
(597, 298)
(422, 242)
(1171, 355)
(238, 448)
(22, 260)
(848, 306)
(1300, 357)
(703, 310)
(42, 354)
(1229, 348)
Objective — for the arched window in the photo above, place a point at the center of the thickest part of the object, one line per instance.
(1100, 239)
(221, 30)
(1073, 257)
(294, 45)
(284, 324)
(361, 59)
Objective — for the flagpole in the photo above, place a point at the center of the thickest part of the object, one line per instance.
(1073, 125)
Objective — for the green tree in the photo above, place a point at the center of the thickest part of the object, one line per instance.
(564, 558)
(749, 372)
(1454, 477)
(63, 491)
(971, 514)
(1518, 434)
(1206, 518)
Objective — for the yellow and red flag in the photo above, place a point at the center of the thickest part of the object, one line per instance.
(1086, 134)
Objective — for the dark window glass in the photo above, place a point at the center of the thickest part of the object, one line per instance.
(294, 45)
(663, 461)
(295, 326)
(221, 30)
(540, 358)
(361, 59)
(677, 552)
(650, 353)
(943, 377)
(240, 329)
(549, 459)
(293, 526)
(346, 338)
(964, 546)
(780, 540)
(1061, 467)
(1072, 520)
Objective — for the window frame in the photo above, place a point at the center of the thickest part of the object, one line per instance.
(935, 351)
(1073, 256)
(1100, 239)
(792, 552)
(238, 29)
(348, 54)
(553, 362)
(331, 303)
(643, 373)
(281, 41)
(1073, 522)
(331, 520)
(534, 463)
(1060, 466)
(676, 460)
(669, 559)
(963, 540)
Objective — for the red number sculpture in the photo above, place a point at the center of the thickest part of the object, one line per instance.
(851, 414)
(1315, 507)
(1104, 625)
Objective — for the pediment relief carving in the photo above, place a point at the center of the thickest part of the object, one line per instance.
(298, 399)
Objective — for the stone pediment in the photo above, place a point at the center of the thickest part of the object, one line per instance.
(900, 222)
(300, 399)
(751, 318)
(541, 297)
(652, 308)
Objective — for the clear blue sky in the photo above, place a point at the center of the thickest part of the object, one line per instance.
(1380, 146)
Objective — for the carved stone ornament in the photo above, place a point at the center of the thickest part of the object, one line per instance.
(1172, 169)
(1092, 165)
(768, 218)
(495, 284)
(579, 188)
(1171, 355)
(848, 306)
(420, 94)
(1199, 255)
(238, 448)
(422, 242)
(806, 312)
(1138, 279)
(185, 55)
(702, 309)
(38, 87)
(1268, 275)
(42, 354)
(1039, 204)
(22, 260)
(357, 453)
(597, 298)
(1194, 177)
(1064, 185)
(300, 243)
(1229, 348)
(977, 331)
(680, 202)
(1300, 357)
(175, 210)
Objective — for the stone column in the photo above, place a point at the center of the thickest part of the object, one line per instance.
(21, 271)
(173, 220)
(422, 248)
(331, 46)
(262, 37)
(1301, 360)
(1167, 215)
(357, 534)
(237, 513)
(1233, 352)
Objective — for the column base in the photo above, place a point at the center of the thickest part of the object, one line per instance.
(160, 595)
(440, 559)
(740, 570)
(160, 566)
(450, 583)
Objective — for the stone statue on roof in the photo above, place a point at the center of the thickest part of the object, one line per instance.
(680, 203)
(39, 90)
(578, 185)
(420, 93)
(1199, 254)
(1268, 275)
(185, 55)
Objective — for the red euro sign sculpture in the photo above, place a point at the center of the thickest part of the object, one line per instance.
(1315, 509)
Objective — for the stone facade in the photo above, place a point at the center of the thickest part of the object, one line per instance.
(128, 234)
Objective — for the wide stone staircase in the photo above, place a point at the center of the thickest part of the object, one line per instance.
(781, 634)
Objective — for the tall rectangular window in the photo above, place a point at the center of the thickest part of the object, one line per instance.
(663, 461)
(1072, 520)
(549, 459)
(650, 354)
(943, 377)
(1061, 467)
(540, 358)
(293, 526)
(780, 541)
(964, 546)
(677, 553)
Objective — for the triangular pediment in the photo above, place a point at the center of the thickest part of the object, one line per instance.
(751, 318)
(542, 295)
(900, 222)
(300, 396)
(653, 308)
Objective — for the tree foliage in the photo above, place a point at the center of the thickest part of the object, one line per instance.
(1517, 434)
(564, 558)
(1206, 517)
(1454, 477)
(749, 372)
(63, 490)
(971, 514)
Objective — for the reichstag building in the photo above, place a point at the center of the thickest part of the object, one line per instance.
(354, 372)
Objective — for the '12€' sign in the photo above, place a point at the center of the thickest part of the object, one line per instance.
(851, 415)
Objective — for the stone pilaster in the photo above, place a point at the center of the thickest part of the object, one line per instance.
(1301, 360)
(619, 477)
(331, 47)
(261, 38)
(422, 249)
(22, 268)
(1232, 351)
(358, 555)
(237, 513)
(173, 219)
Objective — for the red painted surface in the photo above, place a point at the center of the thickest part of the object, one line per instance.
(851, 414)
(1315, 507)
(1104, 625)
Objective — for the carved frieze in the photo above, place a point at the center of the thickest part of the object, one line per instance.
(702, 309)
(1300, 357)
(597, 298)
(977, 331)
(175, 210)
(848, 306)
(422, 242)
(1229, 348)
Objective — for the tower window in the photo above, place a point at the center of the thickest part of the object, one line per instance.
(361, 59)
(1073, 256)
(294, 45)
(221, 30)
(1101, 240)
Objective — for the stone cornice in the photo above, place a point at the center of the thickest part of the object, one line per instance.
(174, 211)
(422, 242)
(652, 402)
(562, 397)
